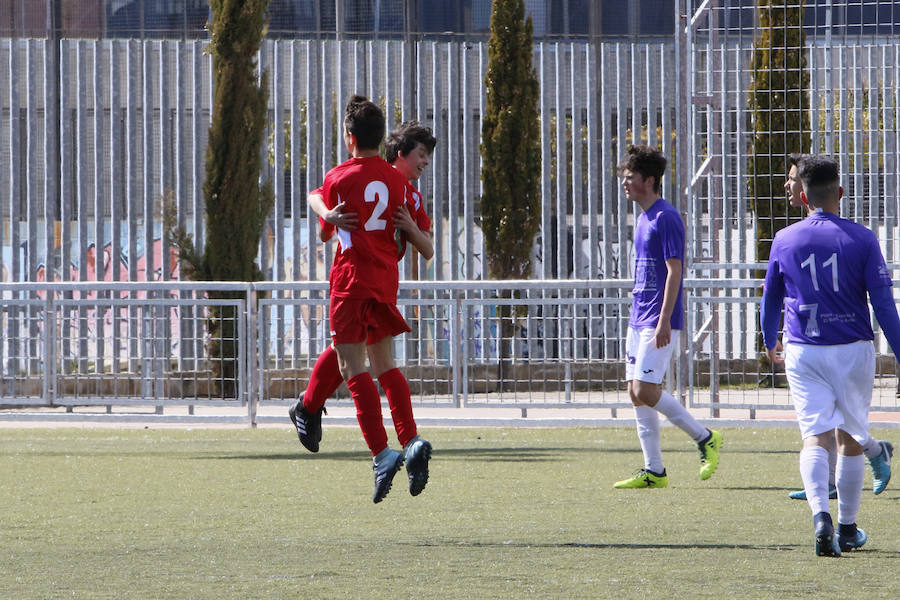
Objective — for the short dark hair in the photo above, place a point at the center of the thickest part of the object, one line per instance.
(820, 177)
(404, 138)
(794, 159)
(365, 120)
(647, 161)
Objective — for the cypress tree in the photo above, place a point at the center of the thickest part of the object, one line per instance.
(779, 104)
(510, 147)
(511, 160)
(236, 203)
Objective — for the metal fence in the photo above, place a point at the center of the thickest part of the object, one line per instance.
(89, 184)
(138, 347)
(851, 103)
(106, 137)
(100, 140)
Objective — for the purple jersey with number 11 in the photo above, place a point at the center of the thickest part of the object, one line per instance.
(824, 265)
(658, 236)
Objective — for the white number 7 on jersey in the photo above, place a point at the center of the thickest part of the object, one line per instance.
(812, 326)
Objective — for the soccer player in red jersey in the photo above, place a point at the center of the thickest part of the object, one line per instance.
(363, 311)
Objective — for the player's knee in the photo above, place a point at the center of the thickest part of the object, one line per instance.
(351, 359)
(847, 444)
(381, 357)
(632, 394)
(644, 393)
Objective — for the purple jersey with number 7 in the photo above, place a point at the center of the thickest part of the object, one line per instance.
(824, 265)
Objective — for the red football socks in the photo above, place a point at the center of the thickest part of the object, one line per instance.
(397, 390)
(323, 381)
(368, 411)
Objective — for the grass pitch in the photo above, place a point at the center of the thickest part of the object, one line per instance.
(508, 513)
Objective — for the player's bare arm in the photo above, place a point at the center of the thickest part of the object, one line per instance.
(418, 238)
(670, 295)
(333, 216)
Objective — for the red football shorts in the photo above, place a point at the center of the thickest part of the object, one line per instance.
(355, 320)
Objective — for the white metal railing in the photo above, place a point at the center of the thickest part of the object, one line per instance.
(130, 345)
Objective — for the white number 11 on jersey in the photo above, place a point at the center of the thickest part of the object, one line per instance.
(812, 325)
(810, 262)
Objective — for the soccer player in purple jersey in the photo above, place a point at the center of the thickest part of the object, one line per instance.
(820, 270)
(656, 320)
(878, 452)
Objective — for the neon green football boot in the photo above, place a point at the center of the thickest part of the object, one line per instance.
(644, 478)
(709, 454)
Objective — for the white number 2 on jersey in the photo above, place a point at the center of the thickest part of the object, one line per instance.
(377, 191)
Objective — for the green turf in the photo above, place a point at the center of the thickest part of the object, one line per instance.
(508, 513)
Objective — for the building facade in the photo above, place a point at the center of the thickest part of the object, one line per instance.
(351, 18)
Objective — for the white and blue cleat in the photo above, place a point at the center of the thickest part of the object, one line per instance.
(881, 467)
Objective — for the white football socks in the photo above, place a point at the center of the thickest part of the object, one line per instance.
(871, 448)
(850, 471)
(647, 420)
(832, 465)
(680, 417)
(814, 472)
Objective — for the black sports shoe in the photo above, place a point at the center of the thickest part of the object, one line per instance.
(384, 473)
(309, 426)
(417, 454)
(826, 541)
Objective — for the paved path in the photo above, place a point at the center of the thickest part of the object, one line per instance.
(274, 414)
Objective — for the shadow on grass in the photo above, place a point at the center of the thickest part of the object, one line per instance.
(764, 488)
(481, 454)
(613, 546)
(485, 453)
(488, 454)
(658, 546)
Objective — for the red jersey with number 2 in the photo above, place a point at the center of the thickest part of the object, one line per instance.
(365, 265)
(414, 203)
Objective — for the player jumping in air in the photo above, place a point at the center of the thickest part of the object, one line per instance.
(380, 326)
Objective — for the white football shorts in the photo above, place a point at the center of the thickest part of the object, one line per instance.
(831, 386)
(643, 360)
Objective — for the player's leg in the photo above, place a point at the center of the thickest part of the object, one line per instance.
(814, 472)
(878, 454)
(350, 323)
(352, 359)
(850, 472)
(647, 421)
(853, 366)
(832, 466)
(814, 402)
(306, 414)
(650, 369)
(417, 451)
(323, 381)
(653, 474)
(389, 323)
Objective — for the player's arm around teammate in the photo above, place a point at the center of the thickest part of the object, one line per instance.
(330, 219)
